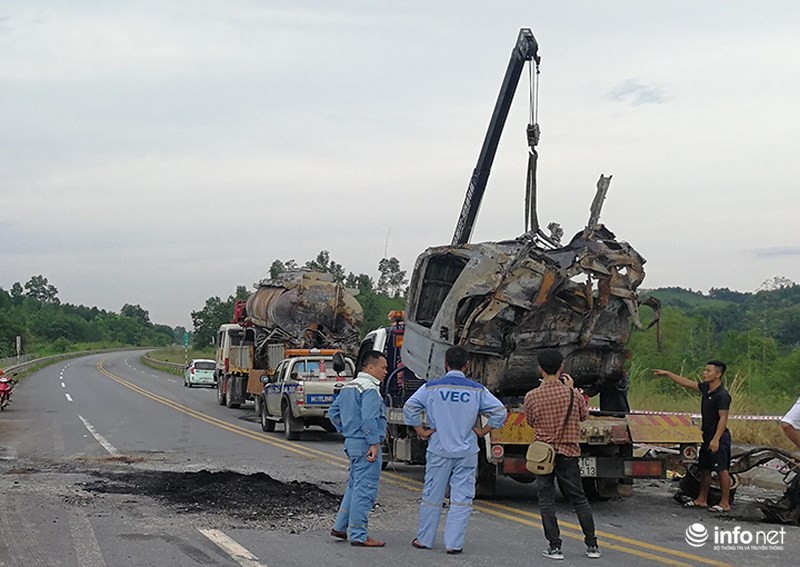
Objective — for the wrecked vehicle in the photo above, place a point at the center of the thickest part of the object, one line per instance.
(506, 301)
(299, 310)
(784, 510)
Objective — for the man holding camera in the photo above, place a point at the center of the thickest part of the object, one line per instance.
(555, 410)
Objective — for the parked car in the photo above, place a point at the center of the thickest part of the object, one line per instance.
(200, 372)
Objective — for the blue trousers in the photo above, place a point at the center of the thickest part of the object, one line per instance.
(459, 474)
(362, 489)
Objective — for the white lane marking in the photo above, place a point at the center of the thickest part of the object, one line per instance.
(63, 385)
(69, 398)
(171, 380)
(100, 439)
(239, 554)
(87, 550)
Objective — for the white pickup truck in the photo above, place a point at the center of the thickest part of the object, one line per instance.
(301, 390)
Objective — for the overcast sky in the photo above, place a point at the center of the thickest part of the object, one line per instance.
(161, 153)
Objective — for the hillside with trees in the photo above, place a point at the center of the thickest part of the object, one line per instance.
(756, 334)
(34, 312)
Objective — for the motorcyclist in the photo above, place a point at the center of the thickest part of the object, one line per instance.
(5, 378)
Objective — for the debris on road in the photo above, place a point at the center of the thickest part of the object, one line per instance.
(255, 496)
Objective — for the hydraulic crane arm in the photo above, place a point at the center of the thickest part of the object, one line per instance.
(525, 50)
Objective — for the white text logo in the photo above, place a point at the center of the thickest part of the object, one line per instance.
(736, 539)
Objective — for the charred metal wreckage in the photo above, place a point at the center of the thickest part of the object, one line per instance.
(303, 309)
(504, 301)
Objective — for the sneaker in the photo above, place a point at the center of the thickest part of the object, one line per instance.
(553, 553)
(593, 552)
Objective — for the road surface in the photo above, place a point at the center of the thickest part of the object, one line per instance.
(107, 462)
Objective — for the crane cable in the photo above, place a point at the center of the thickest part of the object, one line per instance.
(532, 131)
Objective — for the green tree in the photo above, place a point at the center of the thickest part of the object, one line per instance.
(178, 333)
(17, 293)
(362, 282)
(40, 289)
(216, 312)
(392, 280)
(136, 312)
(323, 263)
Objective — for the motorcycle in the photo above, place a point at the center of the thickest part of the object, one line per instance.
(6, 385)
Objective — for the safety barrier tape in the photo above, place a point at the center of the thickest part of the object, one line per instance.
(698, 416)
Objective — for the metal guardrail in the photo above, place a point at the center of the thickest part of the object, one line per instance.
(16, 368)
(14, 360)
(177, 365)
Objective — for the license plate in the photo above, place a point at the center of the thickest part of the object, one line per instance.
(588, 466)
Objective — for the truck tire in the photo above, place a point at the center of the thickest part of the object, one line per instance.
(232, 385)
(229, 403)
(292, 427)
(590, 489)
(267, 424)
(221, 390)
(486, 476)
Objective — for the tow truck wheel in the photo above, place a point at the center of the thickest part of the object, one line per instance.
(291, 428)
(590, 489)
(267, 424)
(486, 476)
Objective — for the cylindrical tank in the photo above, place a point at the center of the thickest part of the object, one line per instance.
(308, 309)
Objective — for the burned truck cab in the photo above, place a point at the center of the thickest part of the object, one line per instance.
(504, 301)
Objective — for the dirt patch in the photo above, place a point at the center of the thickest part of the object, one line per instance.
(257, 497)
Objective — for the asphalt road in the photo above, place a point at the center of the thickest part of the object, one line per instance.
(103, 463)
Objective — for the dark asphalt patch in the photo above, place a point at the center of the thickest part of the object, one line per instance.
(257, 496)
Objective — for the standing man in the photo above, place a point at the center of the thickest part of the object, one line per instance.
(791, 424)
(555, 410)
(360, 415)
(715, 452)
(452, 405)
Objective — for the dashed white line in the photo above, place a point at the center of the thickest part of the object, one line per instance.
(69, 398)
(63, 385)
(100, 439)
(239, 554)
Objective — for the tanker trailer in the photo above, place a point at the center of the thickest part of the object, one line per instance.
(298, 310)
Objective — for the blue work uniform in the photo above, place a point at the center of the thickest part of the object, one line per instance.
(452, 404)
(358, 413)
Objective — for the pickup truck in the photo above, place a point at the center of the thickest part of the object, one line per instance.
(301, 390)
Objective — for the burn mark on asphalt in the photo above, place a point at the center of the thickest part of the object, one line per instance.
(257, 496)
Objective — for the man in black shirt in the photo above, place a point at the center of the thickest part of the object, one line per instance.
(715, 453)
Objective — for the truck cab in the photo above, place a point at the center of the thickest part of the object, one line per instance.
(302, 388)
(234, 363)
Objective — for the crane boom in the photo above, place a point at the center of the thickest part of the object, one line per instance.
(526, 49)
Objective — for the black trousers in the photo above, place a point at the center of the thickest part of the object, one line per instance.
(569, 480)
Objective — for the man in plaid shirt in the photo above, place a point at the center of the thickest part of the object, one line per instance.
(546, 409)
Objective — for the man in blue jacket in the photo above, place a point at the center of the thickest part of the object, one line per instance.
(358, 412)
(452, 405)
